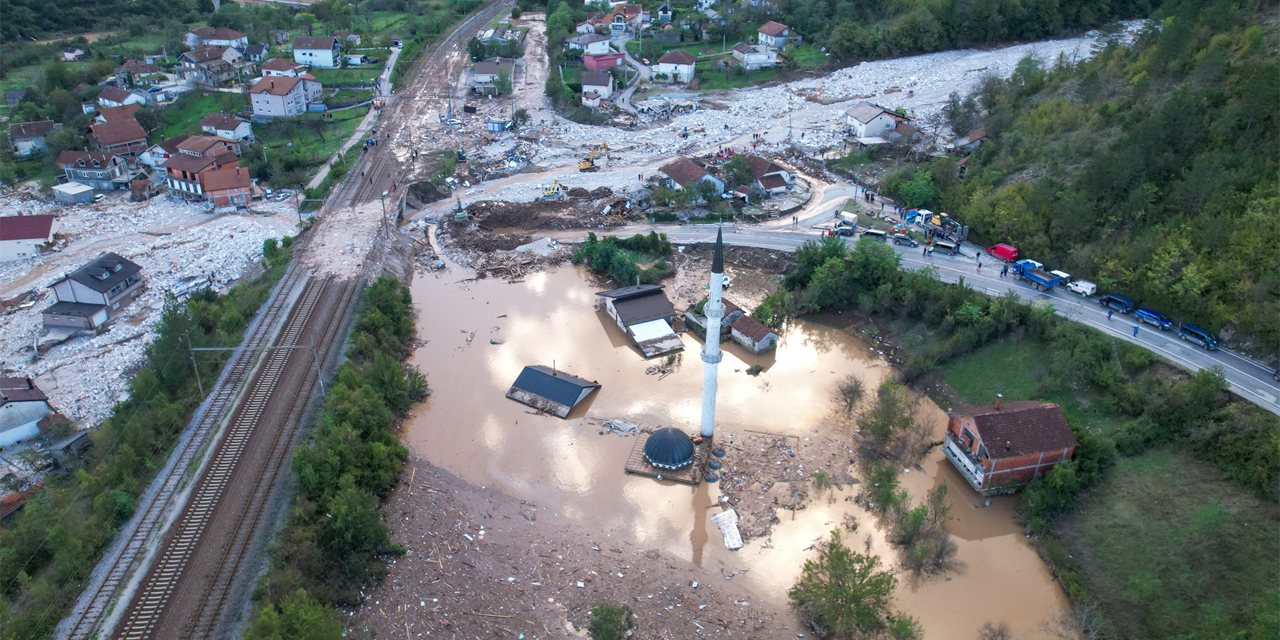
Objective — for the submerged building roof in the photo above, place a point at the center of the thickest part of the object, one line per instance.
(550, 390)
(669, 448)
(637, 304)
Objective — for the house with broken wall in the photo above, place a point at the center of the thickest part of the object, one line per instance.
(645, 314)
(23, 237)
(95, 293)
(1002, 447)
(22, 406)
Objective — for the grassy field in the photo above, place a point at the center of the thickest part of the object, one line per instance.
(363, 75)
(654, 50)
(1170, 550)
(808, 57)
(711, 79)
(1010, 368)
(185, 116)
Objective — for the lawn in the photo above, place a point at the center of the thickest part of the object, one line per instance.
(1011, 367)
(808, 57)
(355, 75)
(711, 79)
(654, 50)
(1169, 549)
(185, 116)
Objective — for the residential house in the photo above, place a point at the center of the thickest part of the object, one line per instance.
(284, 96)
(645, 314)
(102, 171)
(677, 64)
(603, 61)
(116, 114)
(589, 43)
(684, 174)
(210, 65)
(869, 121)
(72, 193)
(598, 82)
(13, 96)
(116, 97)
(184, 173)
(483, 74)
(142, 189)
(776, 35)
(351, 38)
(279, 36)
(29, 137)
(122, 137)
(22, 406)
(968, 143)
(590, 99)
(141, 74)
(208, 146)
(218, 36)
(225, 125)
(95, 293)
(753, 334)
(771, 177)
(998, 448)
(72, 54)
(902, 131)
(632, 14)
(281, 67)
(550, 390)
(318, 51)
(253, 52)
(585, 27)
(664, 12)
(753, 57)
(159, 152)
(23, 237)
(228, 186)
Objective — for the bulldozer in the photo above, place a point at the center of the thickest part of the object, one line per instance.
(554, 191)
(590, 163)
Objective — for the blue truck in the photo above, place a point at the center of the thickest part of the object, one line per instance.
(1034, 272)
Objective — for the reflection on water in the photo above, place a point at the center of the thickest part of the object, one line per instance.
(478, 335)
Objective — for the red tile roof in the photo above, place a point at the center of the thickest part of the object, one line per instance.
(281, 64)
(219, 33)
(30, 129)
(1026, 427)
(772, 28)
(72, 158)
(21, 389)
(118, 132)
(276, 85)
(114, 114)
(228, 178)
(25, 228)
(114, 94)
(752, 328)
(223, 121)
(317, 42)
(684, 171)
(677, 56)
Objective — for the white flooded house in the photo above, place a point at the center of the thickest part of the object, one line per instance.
(94, 293)
(644, 313)
(869, 121)
(22, 406)
(23, 237)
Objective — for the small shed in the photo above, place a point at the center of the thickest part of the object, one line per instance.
(1001, 447)
(73, 193)
(549, 390)
(753, 334)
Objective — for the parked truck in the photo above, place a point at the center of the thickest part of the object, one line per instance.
(1034, 272)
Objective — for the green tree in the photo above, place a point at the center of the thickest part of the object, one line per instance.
(502, 83)
(738, 171)
(299, 617)
(889, 415)
(811, 255)
(477, 50)
(842, 591)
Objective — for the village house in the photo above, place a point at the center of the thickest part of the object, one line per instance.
(998, 448)
(102, 171)
(776, 35)
(969, 143)
(590, 99)
(603, 61)
(253, 52)
(72, 193)
(550, 390)
(197, 157)
(95, 293)
(209, 65)
(228, 186)
(208, 146)
(347, 36)
(282, 67)
(585, 27)
(631, 14)
(22, 406)
(215, 36)
(285, 96)
(677, 64)
(116, 114)
(23, 237)
(318, 51)
(159, 152)
(902, 131)
(29, 137)
(771, 177)
(225, 125)
(753, 334)
(13, 96)
(644, 313)
(483, 74)
(279, 36)
(664, 12)
(122, 137)
(590, 43)
(685, 174)
(116, 97)
(754, 57)
(869, 121)
(72, 54)
(598, 82)
(142, 74)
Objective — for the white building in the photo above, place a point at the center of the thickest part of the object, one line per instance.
(115, 97)
(589, 43)
(684, 174)
(776, 35)
(22, 406)
(284, 97)
(225, 125)
(216, 36)
(282, 67)
(869, 121)
(597, 82)
(753, 57)
(677, 64)
(23, 237)
(320, 51)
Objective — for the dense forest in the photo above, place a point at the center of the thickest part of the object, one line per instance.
(1150, 169)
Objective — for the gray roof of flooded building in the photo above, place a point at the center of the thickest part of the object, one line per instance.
(556, 386)
(640, 303)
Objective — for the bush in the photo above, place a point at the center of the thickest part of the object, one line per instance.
(620, 258)
(843, 591)
(610, 621)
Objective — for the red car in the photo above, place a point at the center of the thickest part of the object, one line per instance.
(1004, 252)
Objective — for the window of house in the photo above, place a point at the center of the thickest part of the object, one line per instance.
(982, 452)
(967, 437)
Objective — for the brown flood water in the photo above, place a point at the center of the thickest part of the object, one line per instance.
(478, 335)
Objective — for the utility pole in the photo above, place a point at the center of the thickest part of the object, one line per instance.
(191, 352)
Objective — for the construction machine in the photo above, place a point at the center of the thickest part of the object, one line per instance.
(554, 191)
(590, 163)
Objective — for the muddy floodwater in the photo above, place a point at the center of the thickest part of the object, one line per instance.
(476, 337)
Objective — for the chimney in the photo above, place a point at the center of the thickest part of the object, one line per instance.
(554, 372)
(999, 397)
(1008, 445)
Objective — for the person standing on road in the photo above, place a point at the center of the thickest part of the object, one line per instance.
(925, 250)
(1108, 315)
(979, 264)
(1004, 271)
(1135, 330)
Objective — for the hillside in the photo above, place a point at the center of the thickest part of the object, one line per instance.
(1150, 169)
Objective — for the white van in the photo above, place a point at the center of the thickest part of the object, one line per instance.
(1083, 287)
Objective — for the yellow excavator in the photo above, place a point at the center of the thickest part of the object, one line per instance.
(553, 191)
(590, 163)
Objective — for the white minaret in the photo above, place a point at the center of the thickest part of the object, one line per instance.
(711, 350)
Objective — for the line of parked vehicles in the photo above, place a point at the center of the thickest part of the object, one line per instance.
(1044, 280)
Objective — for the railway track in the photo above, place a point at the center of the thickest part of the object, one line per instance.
(154, 593)
(156, 502)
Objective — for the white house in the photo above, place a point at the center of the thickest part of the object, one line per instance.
(216, 36)
(664, 12)
(776, 35)
(115, 97)
(283, 97)
(320, 51)
(225, 125)
(753, 335)
(589, 43)
(771, 177)
(23, 237)
(483, 74)
(645, 314)
(754, 56)
(585, 27)
(677, 64)
(29, 137)
(281, 67)
(597, 82)
(22, 406)
(869, 121)
(684, 174)
(158, 153)
(94, 293)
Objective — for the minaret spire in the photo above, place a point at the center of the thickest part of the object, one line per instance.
(711, 355)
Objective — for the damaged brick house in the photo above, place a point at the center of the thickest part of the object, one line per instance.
(1001, 447)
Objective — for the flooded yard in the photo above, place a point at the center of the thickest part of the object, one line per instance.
(477, 335)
